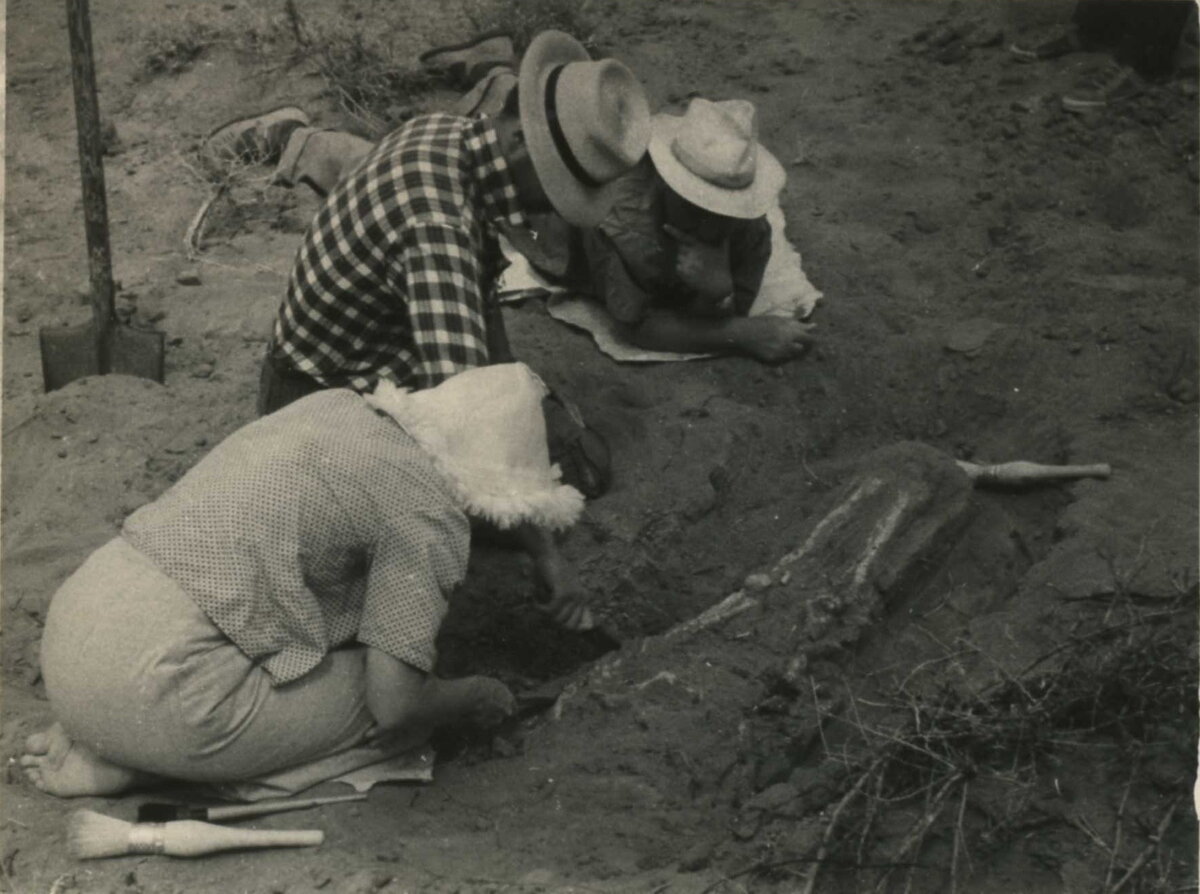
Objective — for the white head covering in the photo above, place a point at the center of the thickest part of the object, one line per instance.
(486, 433)
(711, 156)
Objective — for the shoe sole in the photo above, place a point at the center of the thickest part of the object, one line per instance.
(303, 116)
(466, 45)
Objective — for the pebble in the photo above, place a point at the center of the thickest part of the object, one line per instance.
(188, 278)
(203, 371)
(757, 581)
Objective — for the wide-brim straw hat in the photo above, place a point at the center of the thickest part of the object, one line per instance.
(485, 432)
(711, 156)
(585, 122)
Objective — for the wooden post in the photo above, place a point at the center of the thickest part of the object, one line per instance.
(91, 169)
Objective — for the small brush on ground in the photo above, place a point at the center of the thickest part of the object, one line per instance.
(91, 835)
(164, 813)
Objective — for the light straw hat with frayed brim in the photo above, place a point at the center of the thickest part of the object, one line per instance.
(711, 156)
(486, 434)
(585, 123)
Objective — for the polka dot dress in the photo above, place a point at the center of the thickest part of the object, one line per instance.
(319, 525)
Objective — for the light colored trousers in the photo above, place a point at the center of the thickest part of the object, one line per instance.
(322, 157)
(137, 672)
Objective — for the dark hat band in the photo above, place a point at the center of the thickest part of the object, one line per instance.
(560, 138)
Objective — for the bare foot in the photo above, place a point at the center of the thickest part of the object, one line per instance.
(59, 766)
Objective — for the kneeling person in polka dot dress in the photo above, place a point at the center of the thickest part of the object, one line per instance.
(280, 603)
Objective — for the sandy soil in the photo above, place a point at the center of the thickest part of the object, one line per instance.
(1003, 281)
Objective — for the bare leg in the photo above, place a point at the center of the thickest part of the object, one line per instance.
(59, 766)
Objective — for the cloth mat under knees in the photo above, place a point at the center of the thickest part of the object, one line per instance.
(785, 291)
(360, 768)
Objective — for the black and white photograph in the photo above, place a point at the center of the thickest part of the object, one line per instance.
(600, 447)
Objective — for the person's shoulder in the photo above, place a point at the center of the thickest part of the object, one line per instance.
(634, 196)
(312, 417)
(416, 171)
(641, 180)
(337, 426)
(431, 131)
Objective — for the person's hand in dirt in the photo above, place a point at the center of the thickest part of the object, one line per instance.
(569, 609)
(561, 595)
(774, 339)
(703, 267)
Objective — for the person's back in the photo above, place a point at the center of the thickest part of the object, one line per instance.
(413, 213)
(293, 535)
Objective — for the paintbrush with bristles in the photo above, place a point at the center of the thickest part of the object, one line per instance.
(91, 835)
(165, 813)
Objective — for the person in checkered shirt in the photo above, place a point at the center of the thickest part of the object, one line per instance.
(395, 279)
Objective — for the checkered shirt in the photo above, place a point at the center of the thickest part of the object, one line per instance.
(393, 271)
(320, 525)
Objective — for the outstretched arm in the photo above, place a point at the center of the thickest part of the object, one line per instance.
(769, 339)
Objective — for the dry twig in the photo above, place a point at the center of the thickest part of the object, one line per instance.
(959, 839)
(823, 850)
(1116, 846)
(916, 837)
(1155, 840)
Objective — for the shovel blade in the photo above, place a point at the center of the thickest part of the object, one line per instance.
(69, 353)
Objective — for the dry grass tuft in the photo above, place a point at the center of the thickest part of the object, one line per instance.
(525, 18)
(170, 46)
(928, 780)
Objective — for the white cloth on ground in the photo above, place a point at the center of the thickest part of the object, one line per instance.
(360, 768)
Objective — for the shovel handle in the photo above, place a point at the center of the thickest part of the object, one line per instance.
(91, 169)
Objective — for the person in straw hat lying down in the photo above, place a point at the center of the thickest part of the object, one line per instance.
(680, 255)
(280, 602)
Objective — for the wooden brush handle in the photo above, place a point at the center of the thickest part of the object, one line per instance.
(236, 811)
(192, 838)
(1020, 472)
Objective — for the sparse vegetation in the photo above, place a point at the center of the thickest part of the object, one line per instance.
(366, 78)
(969, 773)
(170, 46)
(525, 18)
(367, 61)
